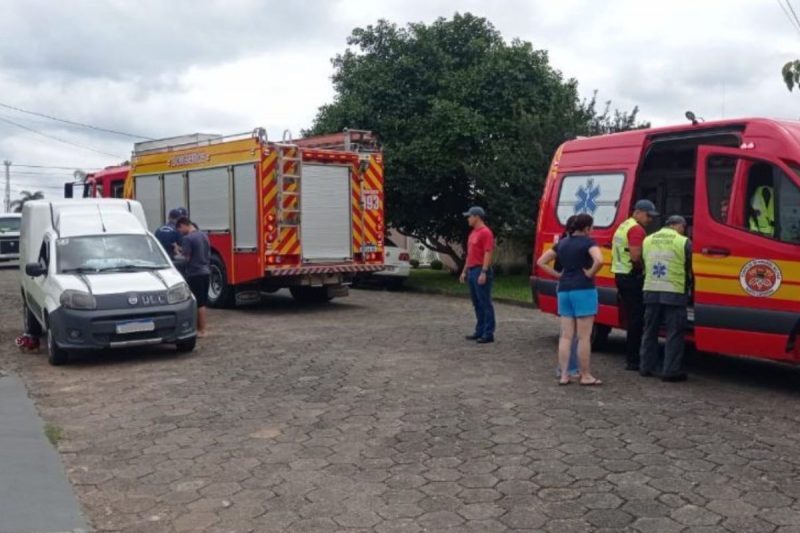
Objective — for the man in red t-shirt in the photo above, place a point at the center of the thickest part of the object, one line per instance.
(478, 274)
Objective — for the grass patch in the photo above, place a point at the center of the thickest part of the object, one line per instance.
(53, 433)
(506, 287)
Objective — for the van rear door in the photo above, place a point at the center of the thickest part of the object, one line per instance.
(747, 279)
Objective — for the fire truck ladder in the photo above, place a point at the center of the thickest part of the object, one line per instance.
(289, 216)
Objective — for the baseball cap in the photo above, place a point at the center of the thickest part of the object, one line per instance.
(647, 206)
(674, 220)
(177, 213)
(475, 211)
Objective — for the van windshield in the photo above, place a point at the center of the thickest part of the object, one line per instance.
(9, 224)
(108, 253)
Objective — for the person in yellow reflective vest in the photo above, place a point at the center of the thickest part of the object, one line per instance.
(667, 256)
(626, 265)
(762, 211)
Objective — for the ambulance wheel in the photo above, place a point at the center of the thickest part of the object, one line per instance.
(220, 293)
(600, 334)
(56, 356)
(310, 295)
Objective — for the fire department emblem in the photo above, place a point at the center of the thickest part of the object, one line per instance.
(760, 277)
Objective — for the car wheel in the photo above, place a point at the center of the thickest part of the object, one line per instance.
(220, 293)
(599, 337)
(29, 323)
(56, 356)
(186, 346)
(310, 295)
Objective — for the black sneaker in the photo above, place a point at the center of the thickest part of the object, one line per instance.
(675, 378)
(472, 337)
(485, 340)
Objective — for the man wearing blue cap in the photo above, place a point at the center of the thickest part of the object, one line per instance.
(478, 274)
(168, 235)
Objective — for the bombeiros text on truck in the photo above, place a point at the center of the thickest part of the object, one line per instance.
(304, 214)
(737, 183)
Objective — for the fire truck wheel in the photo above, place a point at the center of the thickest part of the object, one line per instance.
(600, 333)
(310, 295)
(220, 293)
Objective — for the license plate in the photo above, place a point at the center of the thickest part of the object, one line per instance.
(135, 326)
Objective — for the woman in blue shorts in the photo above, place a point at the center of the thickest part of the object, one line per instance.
(580, 260)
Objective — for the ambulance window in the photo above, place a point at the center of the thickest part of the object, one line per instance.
(772, 207)
(596, 194)
(719, 182)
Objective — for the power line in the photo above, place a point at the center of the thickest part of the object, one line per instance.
(46, 166)
(72, 122)
(3, 119)
(792, 17)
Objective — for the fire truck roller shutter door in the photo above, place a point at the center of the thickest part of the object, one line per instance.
(209, 205)
(148, 193)
(174, 192)
(325, 224)
(245, 207)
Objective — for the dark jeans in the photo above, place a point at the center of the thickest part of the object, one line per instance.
(482, 302)
(674, 319)
(630, 292)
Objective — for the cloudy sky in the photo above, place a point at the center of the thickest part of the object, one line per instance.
(166, 67)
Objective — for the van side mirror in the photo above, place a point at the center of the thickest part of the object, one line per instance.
(35, 270)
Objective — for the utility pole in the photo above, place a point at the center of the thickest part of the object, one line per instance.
(7, 163)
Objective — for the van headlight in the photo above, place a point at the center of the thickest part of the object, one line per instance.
(72, 299)
(178, 293)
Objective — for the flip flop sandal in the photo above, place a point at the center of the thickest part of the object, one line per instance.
(563, 383)
(594, 383)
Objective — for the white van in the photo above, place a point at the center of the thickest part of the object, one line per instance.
(94, 278)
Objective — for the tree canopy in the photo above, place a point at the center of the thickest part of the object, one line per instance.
(465, 118)
(24, 197)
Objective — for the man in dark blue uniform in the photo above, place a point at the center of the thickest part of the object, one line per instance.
(168, 235)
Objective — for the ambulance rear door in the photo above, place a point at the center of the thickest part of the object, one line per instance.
(746, 282)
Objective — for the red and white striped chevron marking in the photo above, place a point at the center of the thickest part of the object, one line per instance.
(327, 269)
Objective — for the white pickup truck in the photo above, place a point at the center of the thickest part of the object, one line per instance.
(93, 278)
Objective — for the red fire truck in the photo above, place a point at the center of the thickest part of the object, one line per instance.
(106, 183)
(303, 214)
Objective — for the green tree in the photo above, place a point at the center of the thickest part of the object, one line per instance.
(791, 74)
(464, 117)
(24, 197)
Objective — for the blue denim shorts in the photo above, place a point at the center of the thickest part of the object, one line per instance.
(577, 304)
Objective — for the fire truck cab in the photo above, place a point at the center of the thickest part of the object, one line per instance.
(302, 214)
(746, 295)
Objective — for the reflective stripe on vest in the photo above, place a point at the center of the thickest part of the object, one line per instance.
(621, 262)
(762, 219)
(664, 255)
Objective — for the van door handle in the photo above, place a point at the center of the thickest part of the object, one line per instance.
(720, 252)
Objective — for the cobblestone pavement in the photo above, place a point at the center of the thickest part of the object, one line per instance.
(373, 415)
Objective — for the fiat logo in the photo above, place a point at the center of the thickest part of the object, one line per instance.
(133, 299)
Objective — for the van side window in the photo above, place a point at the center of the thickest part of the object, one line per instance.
(595, 194)
(719, 182)
(772, 206)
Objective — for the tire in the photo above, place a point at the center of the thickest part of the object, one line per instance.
(599, 338)
(29, 322)
(310, 295)
(186, 346)
(56, 356)
(221, 294)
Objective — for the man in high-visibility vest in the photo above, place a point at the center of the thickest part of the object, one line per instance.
(667, 258)
(762, 211)
(626, 265)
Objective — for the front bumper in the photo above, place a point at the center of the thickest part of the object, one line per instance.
(97, 329)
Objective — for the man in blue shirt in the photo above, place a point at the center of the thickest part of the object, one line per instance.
(168, 234)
